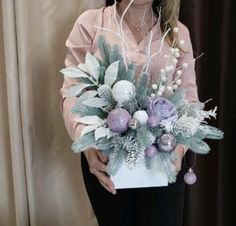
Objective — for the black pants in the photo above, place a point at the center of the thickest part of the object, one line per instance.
(161, 206)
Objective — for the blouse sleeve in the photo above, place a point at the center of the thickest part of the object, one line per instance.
(189, 76)
(78, 43)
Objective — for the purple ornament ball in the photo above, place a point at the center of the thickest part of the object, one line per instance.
(167, 142)
(190, 177)
(151, 151)
(153, 121)
(118, 119)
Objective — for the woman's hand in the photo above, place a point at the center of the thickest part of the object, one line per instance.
(97, 166)
(180, 152)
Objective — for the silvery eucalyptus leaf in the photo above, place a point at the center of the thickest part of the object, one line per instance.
(74, 72)
(77, 89)
(92, 65)
(111, 73)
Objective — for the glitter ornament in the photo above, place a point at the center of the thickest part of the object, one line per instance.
(141, 116)
(153, 121)
(118, 119)
(166, 142)
(123, 91)
(151, 151)
(133, 123)
(190, 177)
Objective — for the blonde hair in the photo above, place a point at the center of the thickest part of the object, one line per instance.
(169, 16)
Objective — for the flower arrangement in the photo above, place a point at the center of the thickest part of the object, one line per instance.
(135, 121)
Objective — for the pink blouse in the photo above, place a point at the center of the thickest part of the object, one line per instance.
(83, 38)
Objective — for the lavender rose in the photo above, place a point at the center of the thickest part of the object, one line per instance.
(162, 108)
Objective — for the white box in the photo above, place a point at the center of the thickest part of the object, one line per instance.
(140, 176)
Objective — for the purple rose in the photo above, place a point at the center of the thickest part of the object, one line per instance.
(162, 108)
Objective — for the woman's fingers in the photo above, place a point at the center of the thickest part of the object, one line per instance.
(97, 167)
(106, 182)
(179, 151)
(102, 157)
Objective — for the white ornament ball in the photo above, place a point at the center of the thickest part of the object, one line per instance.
(159, 93)
(123, 91)
(178, 82)
(141, 116)
(176, 30)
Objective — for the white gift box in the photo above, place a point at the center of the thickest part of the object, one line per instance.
(140, 176)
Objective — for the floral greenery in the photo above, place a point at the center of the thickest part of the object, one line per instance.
(95, 100)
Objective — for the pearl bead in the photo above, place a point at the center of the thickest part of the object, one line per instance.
(174, 87)
(171, 67)
(162, 88)
(159, 93)
(162, 71)
(185, 65)
(153, 95)
(181, 42)
(169, 88)
(154, 86)
(176, 30)
(177, 55)
(172, 50)
(178, 81)
(179, 72)
(168, 68)
(163, 78)
(175, 61)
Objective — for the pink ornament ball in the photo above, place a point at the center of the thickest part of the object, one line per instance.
(190, 177)
(166, 142)
(153, 121)
(151, 151)
(118, 119)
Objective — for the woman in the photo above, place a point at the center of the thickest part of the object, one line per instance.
(141, 20)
